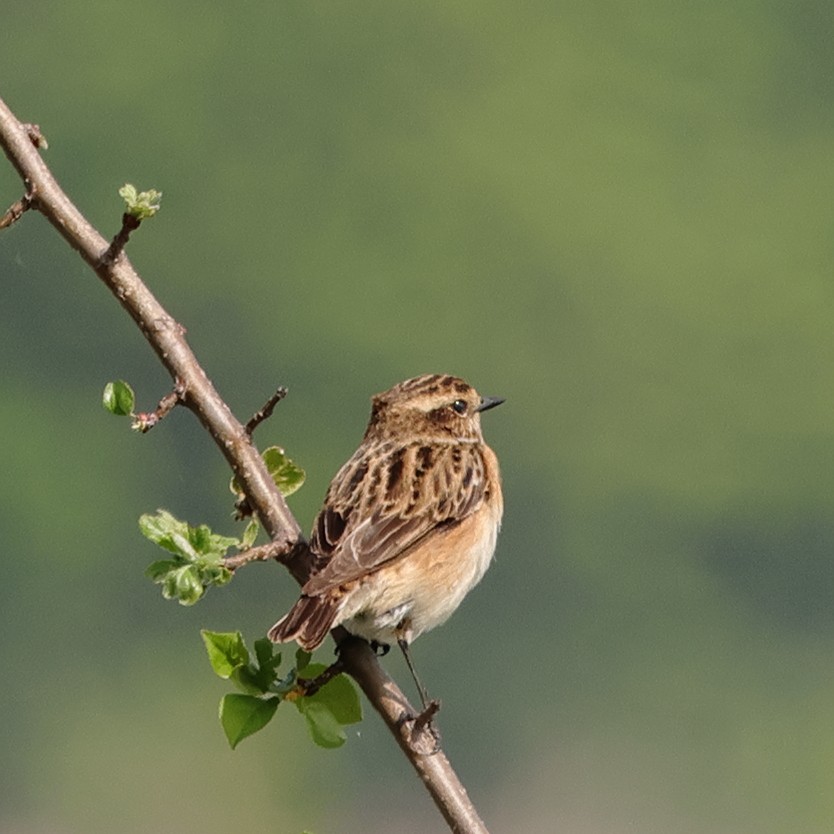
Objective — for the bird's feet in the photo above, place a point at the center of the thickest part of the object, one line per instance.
(380, 649)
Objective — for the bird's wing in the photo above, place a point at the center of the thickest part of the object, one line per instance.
(380, 506)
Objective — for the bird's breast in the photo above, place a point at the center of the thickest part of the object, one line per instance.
(420, 589)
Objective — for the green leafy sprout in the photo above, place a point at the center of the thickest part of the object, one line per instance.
(118, 398)
(142, 205)
(196, 560)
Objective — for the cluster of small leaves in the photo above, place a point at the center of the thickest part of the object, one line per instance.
(197, 554)
(262, 688)
(142, 205)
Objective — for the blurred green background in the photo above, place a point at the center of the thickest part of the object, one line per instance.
(619, 217)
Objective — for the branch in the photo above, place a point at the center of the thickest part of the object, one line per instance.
(167, 338)
(434, 768)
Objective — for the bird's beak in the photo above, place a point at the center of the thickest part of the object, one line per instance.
(489, 402)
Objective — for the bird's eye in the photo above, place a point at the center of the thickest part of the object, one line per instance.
(460, 406)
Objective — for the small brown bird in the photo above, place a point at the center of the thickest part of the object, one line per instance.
(409, 523)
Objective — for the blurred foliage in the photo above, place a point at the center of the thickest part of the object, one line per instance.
(619, 218)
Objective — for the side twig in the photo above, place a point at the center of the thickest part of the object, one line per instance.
(309, 686)
(261, 553)
(265, 412)
(144, 421)
(129, 224)
(16, 210)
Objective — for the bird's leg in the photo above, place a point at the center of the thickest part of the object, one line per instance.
(404, 647)
(422, 722)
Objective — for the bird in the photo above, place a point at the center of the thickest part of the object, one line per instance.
(409, 523)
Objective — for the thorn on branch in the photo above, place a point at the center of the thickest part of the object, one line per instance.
(17, 209)
(145, 421)
(265, 411)
(420, 733)
(425, 718)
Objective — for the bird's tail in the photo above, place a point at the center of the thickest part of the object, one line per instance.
(307, 622)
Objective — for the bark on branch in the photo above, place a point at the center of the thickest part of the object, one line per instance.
(167, 337)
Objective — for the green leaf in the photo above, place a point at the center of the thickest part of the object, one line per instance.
(302, 659)
(243, 715)
(252, 681)
(183, 584)
(324, 728)
(268, 661)
(163, 529)
(200, 537)
(328, 710)
(219, 576)
(128, 193)
(143, 204)
(342, 699)
(181, 538)
(226, 651)
(203, 540)
(158, 570)
(249, 535)
(264, 649)
(338, 695)
(118, 398)
(288, 476)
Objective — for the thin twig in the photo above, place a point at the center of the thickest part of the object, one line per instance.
(310, 686)
(16, 210)
(129, 224)
(144, 421)
(261, 553)
(266, 410)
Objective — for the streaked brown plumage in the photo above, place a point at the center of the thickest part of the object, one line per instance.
(409, 523)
